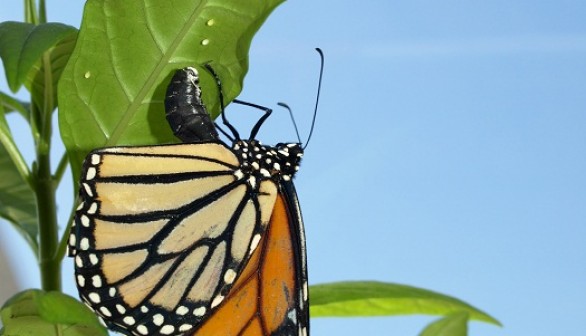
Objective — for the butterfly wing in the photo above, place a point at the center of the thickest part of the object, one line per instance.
(270, 296)
(163, 232)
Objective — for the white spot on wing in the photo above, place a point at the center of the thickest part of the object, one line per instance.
(158, 319)
(95, 159)
(97, 281)
(129, 320)
(94, 297)
(88, 190)
(254, 243)
(93, 208)
(120, 309)
(185, 327)
(229, 276)
(93, 259)
(85, 221)
(199, 311)
(78, 261)
(182, 310)
(217, 300)
(105, 311)
(142, 330)
(90, 174)
(167, 329)
(80, 280)
(84, 244)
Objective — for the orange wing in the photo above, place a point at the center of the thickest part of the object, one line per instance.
(270, 295)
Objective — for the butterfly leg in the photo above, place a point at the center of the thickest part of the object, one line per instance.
(260, 121)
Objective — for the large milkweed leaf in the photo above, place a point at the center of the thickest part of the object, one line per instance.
(34, 312)
(455, 324)
(378, 299)
(22, 45)
(112, 89)
(17, 199)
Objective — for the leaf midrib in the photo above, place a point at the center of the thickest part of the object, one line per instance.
(133, 108)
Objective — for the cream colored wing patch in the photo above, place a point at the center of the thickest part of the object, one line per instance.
(164, 231)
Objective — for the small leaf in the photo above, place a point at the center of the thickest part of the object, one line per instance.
(43, 77)
(57, 307)
(17, 200)
(113, 87)
(23, 44)
(379, 299)
(455, 324)
(34, 312)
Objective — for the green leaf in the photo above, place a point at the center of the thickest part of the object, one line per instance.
(17, 198)
(43, 77)
(34, 312)
(23, 44)
(455, 324)
(113, 87)
(379, 299)
(10, 104)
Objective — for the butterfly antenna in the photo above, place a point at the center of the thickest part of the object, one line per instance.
(321, 72)
(292, 119)
(222, 107)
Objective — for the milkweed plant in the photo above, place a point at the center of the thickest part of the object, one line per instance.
(84, 75)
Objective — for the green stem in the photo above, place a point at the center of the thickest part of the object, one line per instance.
(42, 12)
(30, 12)
(45, 191)
(48, 235)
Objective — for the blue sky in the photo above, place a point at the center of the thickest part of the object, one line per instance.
(449, 151)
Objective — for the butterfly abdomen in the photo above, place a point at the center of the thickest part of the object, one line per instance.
(185, 109)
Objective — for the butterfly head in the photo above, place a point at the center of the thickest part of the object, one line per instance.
(289, 154)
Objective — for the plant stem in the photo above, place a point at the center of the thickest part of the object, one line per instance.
(45, 191)
(30, 12)
(42, 12)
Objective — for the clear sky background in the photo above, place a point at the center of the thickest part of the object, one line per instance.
(449, 152)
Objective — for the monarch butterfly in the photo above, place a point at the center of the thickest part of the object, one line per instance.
(199, 238)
